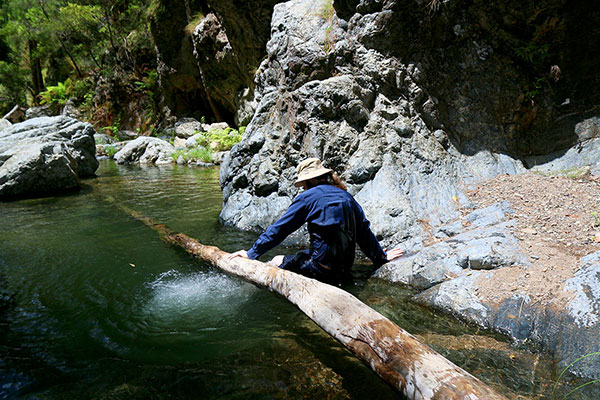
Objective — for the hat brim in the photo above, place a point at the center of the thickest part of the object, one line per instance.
(311, 175)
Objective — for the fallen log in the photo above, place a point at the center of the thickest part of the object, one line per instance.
(394, 354)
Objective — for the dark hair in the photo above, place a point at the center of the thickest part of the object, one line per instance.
(335, 180)
(331, 178)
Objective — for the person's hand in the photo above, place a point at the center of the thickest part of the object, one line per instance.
(239, 253)
(393, 254)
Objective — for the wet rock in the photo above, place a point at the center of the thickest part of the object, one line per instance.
(566, 333)
(146, 150)
(45, 155)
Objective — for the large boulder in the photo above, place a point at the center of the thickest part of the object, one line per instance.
(146, 150)
(45, 155)
(407, 104)
(368, 116)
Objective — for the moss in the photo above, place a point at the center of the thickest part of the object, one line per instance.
(194, 22)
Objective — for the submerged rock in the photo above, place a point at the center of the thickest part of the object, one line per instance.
(146, 150)
(45, 155)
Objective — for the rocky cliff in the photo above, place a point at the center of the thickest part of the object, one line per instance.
(412, 103)
(408, 101)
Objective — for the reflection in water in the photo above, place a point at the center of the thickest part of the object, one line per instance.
(101, 308)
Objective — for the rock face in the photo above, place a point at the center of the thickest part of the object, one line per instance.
(405, 121)
(145, 150)
(321, 92)
(45, 155)
(411, 103)
(487, 244)
(4, 123)
(567, 334)
(208, 67)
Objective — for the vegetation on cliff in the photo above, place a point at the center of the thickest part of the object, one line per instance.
(98, 53)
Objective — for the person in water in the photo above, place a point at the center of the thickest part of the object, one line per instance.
(336, 224)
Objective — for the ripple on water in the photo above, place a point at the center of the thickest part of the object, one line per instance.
(186, 303)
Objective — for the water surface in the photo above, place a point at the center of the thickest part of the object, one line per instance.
(101, 308)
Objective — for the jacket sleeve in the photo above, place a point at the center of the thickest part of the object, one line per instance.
(293, 219)
(367, 241)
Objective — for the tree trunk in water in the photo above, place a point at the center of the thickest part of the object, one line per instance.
(394, 354)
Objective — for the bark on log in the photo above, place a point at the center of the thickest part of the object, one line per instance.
(394, 354)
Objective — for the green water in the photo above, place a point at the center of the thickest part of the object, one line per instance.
(102, 309)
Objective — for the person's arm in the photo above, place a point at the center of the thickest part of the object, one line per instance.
(293, 219)
(368, 243)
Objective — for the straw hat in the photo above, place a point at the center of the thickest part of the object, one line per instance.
(310, 168)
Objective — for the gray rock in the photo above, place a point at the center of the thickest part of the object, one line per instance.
(187, 127)
(215, 126)
(70, 110)
(101, 138)
(568, 334)
(219, 156)
(479, 240)
(179, 143)
(4, 123)
(105, 150)
(585, 154)
(398, 162)
(585, 307)
(459, 297)
(36, 112)
(146, 150)
(192, 142)
(45, 155)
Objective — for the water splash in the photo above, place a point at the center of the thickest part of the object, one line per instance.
(184, 302)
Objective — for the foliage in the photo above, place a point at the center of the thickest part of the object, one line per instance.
(194, 22)
(50, 41)
(200, 153)
(56, 94)
(110, 150)
(12, 81)
(533, 54)
(596, 218)
(220, 139)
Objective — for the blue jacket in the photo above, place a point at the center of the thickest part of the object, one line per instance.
(336, 223)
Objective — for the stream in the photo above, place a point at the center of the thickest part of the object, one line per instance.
(94, 305)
